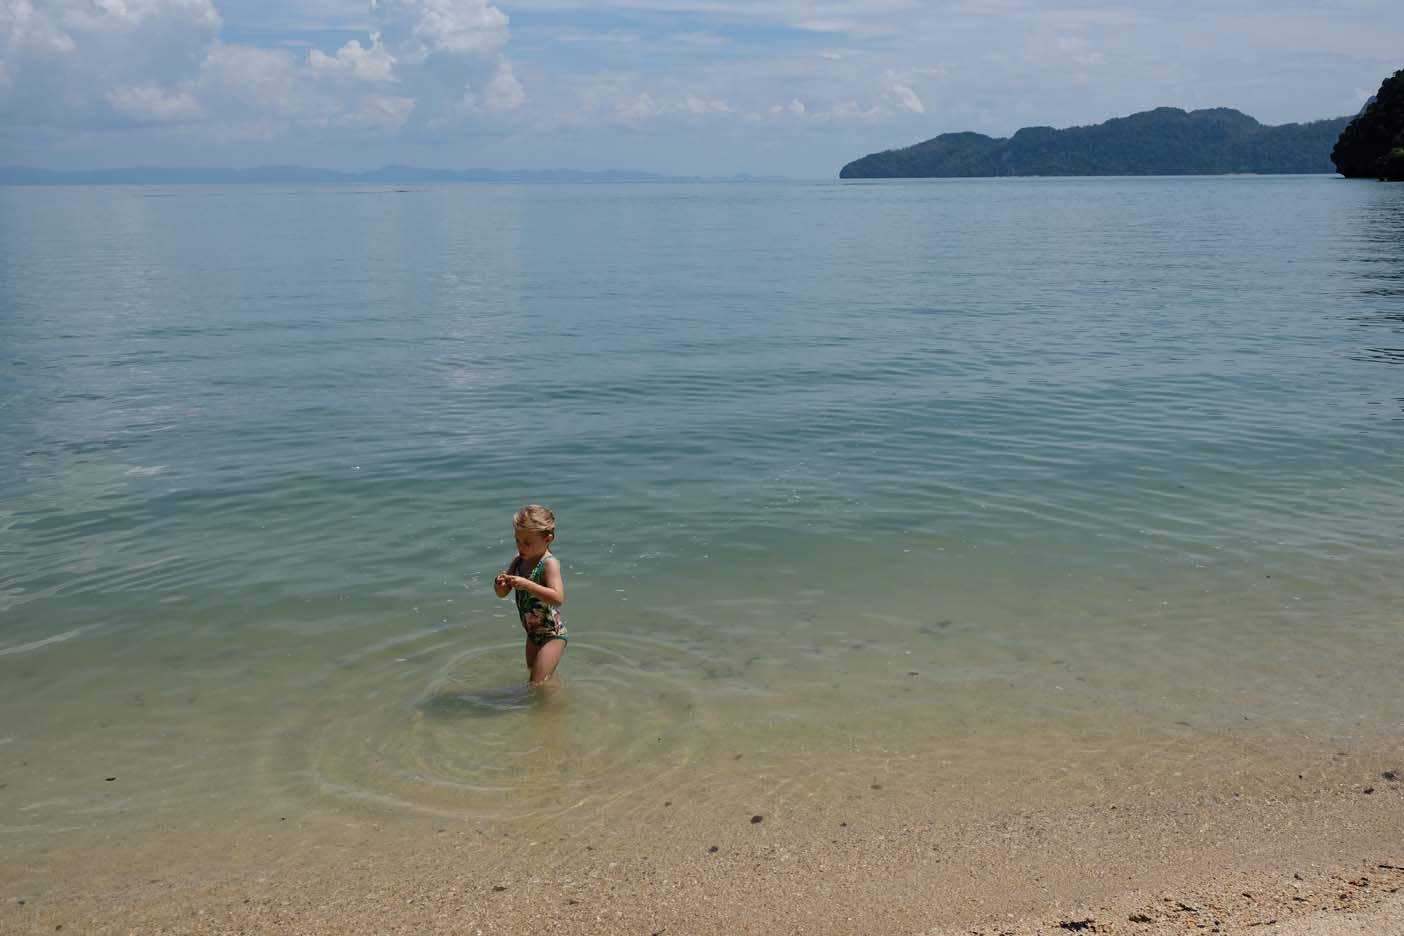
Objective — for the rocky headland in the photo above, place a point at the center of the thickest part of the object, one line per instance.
(1372, 145)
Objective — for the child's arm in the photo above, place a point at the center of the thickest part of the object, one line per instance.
(501, 585)
(551, 590)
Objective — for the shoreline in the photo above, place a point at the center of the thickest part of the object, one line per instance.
(1328, 862)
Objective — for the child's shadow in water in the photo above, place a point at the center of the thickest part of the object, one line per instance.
(479, 703)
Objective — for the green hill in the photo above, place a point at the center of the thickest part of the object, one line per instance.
(1164, 141)
(1373, 145)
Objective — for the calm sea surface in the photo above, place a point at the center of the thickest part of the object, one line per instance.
(927, 485)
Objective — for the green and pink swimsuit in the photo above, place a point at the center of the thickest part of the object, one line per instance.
(541, 621)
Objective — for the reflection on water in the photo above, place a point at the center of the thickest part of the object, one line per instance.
(1384, 355)
(1381, 268)
(1377, 250)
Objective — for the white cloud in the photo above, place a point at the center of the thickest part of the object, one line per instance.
(640, 107)
(850, 112)
(85, 62)
(413, 30)
(698, 105)
(907, 98)
(268, 93)
(449, 57)
(150, 103)
(244, 82)
(354, 60)
(380, 112)
(426, 72)
(901, 94)
(27, 30)
(504, 92)
(617, 98)
(102, 14)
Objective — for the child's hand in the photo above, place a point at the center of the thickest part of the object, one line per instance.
(501, 580)
(510, 581)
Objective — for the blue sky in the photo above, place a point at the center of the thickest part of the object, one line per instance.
(696, 87)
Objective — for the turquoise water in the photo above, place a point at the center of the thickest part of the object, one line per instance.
(956, 476)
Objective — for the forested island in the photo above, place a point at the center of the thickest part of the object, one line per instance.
(1164, 141)
(1372, 146)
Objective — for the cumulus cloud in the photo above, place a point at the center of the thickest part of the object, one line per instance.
(80, 61)
(449, 57)
(415, 29)
(86, 64)
(901, 94)
(504, 92)
(617, 98)
(623, 98)
(242, 81)
(694, 104)
(383, 112)
(907, 98)
(355, 61)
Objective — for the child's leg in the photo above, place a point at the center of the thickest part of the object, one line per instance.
(544, 659)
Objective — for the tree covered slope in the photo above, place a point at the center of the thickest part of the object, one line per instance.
(1372, 146)
(1164, 141)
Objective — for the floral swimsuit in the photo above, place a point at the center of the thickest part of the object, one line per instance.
(541, 621)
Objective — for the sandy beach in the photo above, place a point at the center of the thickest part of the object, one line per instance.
(1320, 860)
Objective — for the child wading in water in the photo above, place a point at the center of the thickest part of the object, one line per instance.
(535, 575)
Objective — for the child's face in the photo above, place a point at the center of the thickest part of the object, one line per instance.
(532, 542)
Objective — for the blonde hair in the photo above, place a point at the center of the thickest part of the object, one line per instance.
(535, 518)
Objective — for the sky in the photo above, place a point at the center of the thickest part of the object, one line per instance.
(678, 87)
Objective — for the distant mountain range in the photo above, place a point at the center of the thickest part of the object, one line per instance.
(1164, 141)
(279, 175)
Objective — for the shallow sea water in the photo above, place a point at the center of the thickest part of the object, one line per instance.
(915, 487)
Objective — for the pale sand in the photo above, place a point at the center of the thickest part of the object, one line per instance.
(1322, 862)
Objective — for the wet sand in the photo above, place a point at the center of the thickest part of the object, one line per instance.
(1320, 859)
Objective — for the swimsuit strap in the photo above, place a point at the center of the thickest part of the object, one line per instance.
(516, 564)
